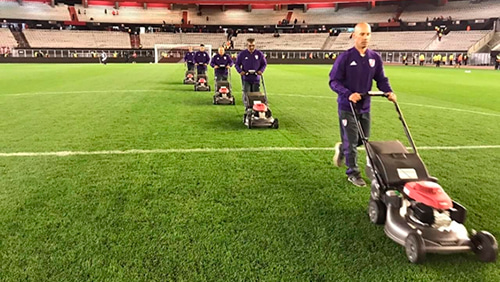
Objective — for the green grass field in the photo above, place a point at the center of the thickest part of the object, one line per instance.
(224, 215)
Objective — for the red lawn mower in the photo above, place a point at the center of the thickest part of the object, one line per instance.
(415, 209)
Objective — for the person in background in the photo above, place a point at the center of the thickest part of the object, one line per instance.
(104, 58)
(189, 58)
(421, 59)
(201, 60)
(221, 63)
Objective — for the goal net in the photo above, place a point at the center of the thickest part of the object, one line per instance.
(174, 53)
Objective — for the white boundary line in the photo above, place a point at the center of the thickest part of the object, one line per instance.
(216, 150)
(80, 92)
(277, 94)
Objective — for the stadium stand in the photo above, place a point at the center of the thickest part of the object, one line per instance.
(148, 40)
(387, 41)
(457, 10)
(235, 17)
(286, 41)
(346, 15)
(129, 15)
(34, 11)
(7, 39)
(403, 41)
(76, 39)
(495, 42)
(457, 40)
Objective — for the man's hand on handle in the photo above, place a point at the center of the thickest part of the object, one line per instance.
(355, 97)
(391, 97)
(242, 72)
(259, 73)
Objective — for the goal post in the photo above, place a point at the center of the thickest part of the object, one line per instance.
(174, 53)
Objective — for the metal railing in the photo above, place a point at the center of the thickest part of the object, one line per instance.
(387, 56)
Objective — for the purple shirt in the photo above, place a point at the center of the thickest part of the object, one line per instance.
(251, 61)
(353, 73)
(201, 58)
(189, 57)
(224, 60)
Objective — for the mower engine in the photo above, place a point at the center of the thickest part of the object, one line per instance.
(260, 109)
(202, 81)
(224, 91)
(429, 203)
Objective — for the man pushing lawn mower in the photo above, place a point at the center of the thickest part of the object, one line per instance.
(352, 75)
(222, 63)
(251, 64)
(201, 60)
(190, 73)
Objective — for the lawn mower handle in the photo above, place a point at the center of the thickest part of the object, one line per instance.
(398, 110)
(376, 94)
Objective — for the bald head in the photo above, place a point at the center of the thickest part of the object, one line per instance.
(362, 35)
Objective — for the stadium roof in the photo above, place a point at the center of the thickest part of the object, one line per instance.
(246, 2)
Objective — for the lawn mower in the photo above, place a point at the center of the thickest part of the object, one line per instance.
(223, 94)
(417, 212)
(201, 82)
(189, 77)
(257, 112)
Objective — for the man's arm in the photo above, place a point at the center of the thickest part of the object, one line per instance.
(237, 65)
(263, 63)
(195, 59)
(229, 62)
(212, 62)
(207, 59)
(337, 76)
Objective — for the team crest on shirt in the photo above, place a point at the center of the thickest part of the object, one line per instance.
(256, 57)
(371, 62)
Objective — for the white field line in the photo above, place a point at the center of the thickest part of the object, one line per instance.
(216, 150)
(81, 92)
(333, 97)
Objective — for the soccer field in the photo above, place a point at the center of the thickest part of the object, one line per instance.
(131, 175)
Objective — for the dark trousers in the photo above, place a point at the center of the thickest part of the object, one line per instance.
(202, 69)
(221, 77)
(351, 139)
(497, 64)
(190, 66)
(249, 87)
